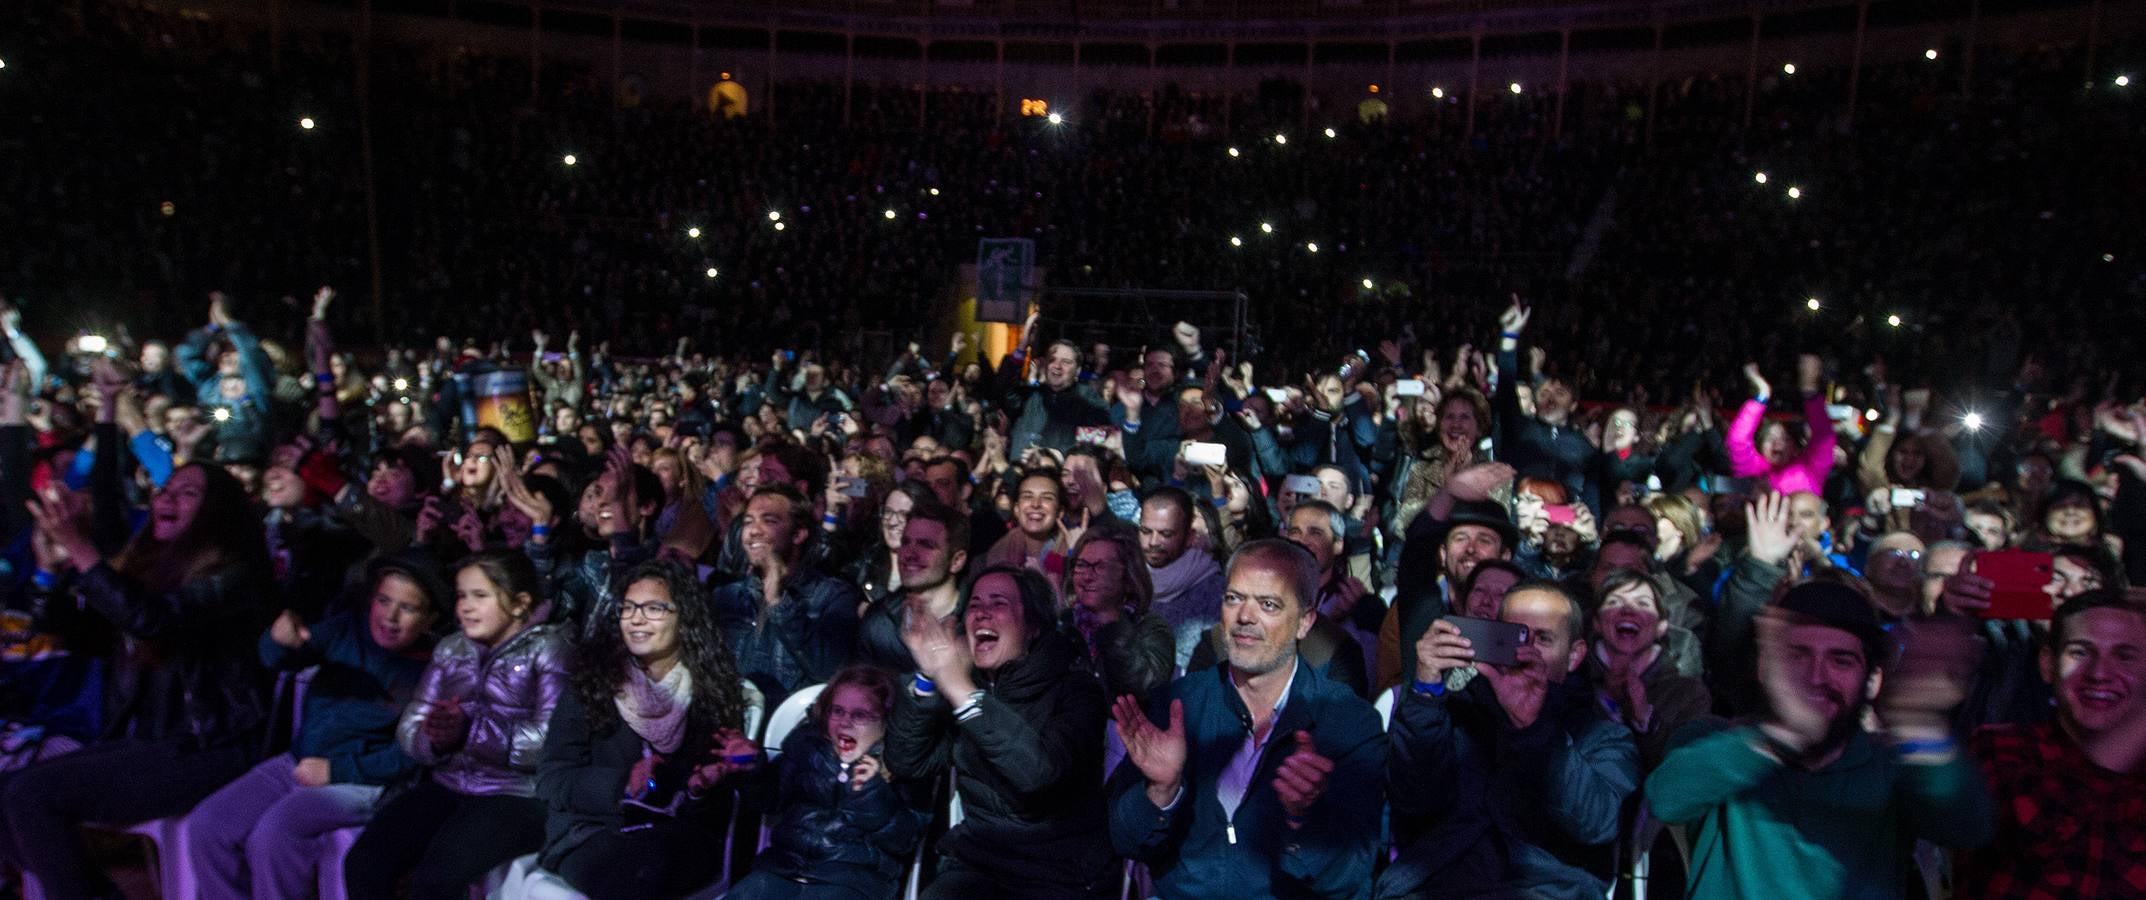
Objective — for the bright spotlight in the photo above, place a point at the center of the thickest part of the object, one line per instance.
(1788, 68)
(306, 123)
(570, 159)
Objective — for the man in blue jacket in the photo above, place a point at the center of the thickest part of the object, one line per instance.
(1262, 779)
(1509, 782)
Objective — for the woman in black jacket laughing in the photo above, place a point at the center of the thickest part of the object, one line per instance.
(1002, 702)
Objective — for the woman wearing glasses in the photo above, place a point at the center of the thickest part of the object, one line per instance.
(873, 570)
(636, 742)
(847, 824)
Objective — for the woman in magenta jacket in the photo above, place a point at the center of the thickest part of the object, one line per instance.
(1773, 452)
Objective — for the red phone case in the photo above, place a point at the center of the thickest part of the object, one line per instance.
(2020, 577)
(1560, 514)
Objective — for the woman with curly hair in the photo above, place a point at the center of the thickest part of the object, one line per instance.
(628, 756)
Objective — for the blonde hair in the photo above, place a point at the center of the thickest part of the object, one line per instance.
(1679, 512)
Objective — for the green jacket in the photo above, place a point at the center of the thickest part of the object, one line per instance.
(1844, 832)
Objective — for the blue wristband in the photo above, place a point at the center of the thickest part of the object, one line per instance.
(1428, 688)
(540, 531)
(1510, 335)
(1914, 748)
(924, 685)
(44, 580)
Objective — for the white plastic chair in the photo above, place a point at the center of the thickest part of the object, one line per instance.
(793, 710)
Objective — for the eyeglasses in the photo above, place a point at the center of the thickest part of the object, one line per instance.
(1092, 565)
(891, 516)
(654, 612)
(853, 717)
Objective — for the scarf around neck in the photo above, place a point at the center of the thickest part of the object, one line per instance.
(656, 710)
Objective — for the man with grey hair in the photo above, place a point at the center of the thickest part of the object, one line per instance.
(1258, 777)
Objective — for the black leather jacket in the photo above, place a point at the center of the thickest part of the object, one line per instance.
(187, 668)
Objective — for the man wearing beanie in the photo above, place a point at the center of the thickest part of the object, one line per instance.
(1804, 801)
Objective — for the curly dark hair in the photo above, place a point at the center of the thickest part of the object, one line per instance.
(224, 531)
(601, 658)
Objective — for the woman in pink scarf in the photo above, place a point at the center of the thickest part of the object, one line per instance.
(1789, 468)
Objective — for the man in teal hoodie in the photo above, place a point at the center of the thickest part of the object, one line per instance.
(1805, 802)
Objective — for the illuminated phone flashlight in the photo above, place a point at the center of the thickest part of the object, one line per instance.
(91, 343)
(222, 414)
(402, 384)
(1972, 420)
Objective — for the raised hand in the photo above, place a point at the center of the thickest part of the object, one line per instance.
(1159, 753)
(62, 516)
(1937, 663)
(289, 631)
(1759, 386)
(321, 299)
(1187, 337)
(1521, 688)
(1810, 371)
(1770, 531)
(1514, 319)
(934, 646)
(1441, 649)
(1474, 483)
(517, 492)
(1301, 779)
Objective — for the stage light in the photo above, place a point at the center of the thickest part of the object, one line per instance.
(774, 215)
(1514, 87)
(1893, 320)
(780, 226)
(1281, 138)
(1367, 284)
(1795, 193)
(1055, 119)
(1812, 304)
(934, 192)
(1266, 228)
(1760, 178)
(2108, 257)
(1233, 153)
(306, 123)
(693, 232)
(1438, 93)
(889, 214)
(1788, 68)
(1929, 54)
(711, 272)
(2123, 81)
(1330, 133)
(1311, 246)
(1972, 420)
(1236, 241)
(570, 160)
(402, 384)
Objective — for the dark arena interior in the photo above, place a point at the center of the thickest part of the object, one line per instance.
(1084, 449)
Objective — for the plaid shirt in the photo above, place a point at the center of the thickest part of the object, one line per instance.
(2065, 827)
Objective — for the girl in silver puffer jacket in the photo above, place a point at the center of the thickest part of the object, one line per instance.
(478, 722)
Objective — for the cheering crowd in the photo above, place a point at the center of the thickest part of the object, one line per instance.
(1434, 588)
(1154, 624)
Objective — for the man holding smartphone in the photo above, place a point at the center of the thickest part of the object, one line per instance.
(1514, 784)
